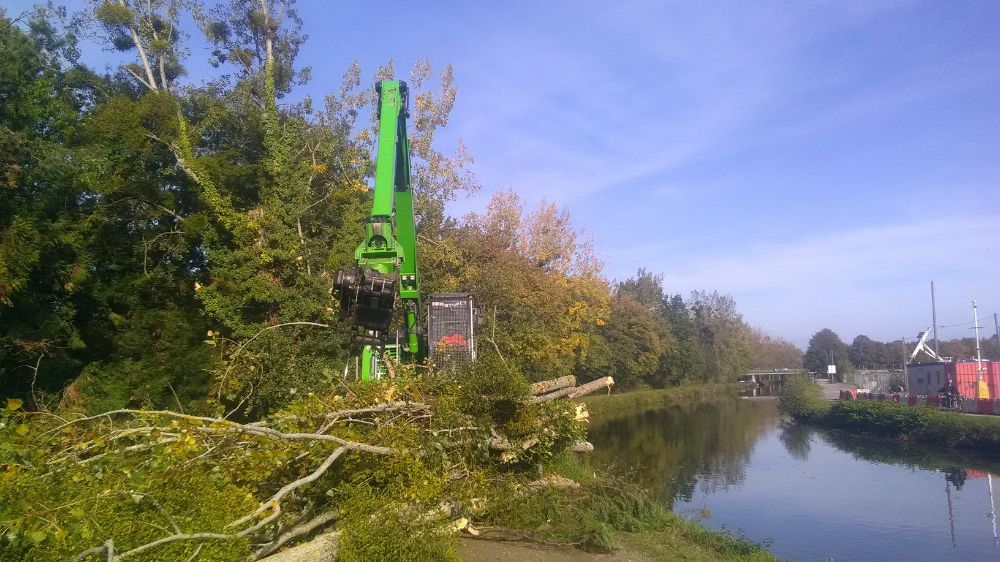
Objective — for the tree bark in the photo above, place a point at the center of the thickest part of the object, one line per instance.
(321, 549)
(576, 391)
(554, 384)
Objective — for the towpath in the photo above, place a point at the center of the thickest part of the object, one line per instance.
(831, 390)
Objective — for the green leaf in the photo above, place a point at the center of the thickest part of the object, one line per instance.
(22, 429)
(14, 403)
(36, 536)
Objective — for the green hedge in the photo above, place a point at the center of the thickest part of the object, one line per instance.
(920, 424)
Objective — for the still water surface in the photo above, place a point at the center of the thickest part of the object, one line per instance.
(811, 494)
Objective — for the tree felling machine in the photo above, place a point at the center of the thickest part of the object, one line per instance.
(385, 276)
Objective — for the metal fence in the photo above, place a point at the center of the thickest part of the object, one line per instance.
(451, 329)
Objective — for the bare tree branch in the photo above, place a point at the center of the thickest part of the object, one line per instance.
(297, 531)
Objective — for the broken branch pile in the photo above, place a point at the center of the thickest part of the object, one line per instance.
(212, 487)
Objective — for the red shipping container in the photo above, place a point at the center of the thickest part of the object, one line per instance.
(993, 379)
(966, 378)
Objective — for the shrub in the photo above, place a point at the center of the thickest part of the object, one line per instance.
(800, 398)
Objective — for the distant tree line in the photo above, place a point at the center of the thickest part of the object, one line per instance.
(826, 348)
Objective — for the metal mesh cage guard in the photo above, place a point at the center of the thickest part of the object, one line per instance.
(451, 324)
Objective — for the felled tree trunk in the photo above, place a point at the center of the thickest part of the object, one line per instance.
(320, 549)
(554, 384)
(575, 391)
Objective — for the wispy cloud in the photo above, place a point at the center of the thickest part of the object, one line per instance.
(872, 279)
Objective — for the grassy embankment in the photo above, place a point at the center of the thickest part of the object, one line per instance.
(923, 425)
(633, 401)
(647, 527)
(615, 514)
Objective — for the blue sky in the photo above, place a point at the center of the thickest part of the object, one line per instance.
(820, 161)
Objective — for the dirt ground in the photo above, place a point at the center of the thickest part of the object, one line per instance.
(475, 550)
(831, 390)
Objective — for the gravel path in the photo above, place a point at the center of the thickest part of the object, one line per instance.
(831, 390)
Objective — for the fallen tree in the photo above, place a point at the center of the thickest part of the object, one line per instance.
(168, 485)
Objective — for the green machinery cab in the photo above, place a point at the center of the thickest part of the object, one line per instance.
(386, 264)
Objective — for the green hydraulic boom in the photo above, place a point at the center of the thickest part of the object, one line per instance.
(386, 261)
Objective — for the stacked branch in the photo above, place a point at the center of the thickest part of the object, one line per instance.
(260, 524)
(555, 389)
(564, 388)
(311, 442)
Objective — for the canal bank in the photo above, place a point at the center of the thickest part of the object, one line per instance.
(612, 404)
(650, 532)
(802, 399)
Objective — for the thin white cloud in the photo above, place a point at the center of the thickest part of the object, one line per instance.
(863, 280)
(868, 254)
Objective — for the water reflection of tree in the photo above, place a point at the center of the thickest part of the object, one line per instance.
(796, 438)
(676, 449)
(913, 455)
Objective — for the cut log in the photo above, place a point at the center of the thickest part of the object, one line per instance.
(553, 384)
(501, 444)
(576, 391)
(561, 393)
(593, 386)
(321, 549)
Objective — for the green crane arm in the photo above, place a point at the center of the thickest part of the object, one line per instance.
(387, 258)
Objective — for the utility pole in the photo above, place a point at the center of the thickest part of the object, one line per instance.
(934, 320)
(997, 326)
(906, 382)
(980, 384)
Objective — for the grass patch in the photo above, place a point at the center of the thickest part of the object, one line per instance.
(608, 512)
(683, 539)
(607, 405)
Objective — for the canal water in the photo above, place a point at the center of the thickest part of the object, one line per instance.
(808, 494)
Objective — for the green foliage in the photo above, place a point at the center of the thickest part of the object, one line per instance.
(686, 539)
(141, 473)
(628, 346)
(587, 516)
(114, 15)
(800, 398)
(723, 334)
(656, 399)
(54, 511)
(826, 348)
(918, 424)
(376, 529)
(683, 360)
(489, 389)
